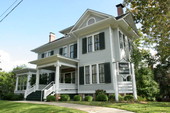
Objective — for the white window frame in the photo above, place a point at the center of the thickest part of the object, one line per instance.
(65, 54)
(87, 23)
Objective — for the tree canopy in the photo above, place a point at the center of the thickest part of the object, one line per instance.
(154, 17)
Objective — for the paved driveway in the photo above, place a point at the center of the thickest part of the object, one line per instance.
(89, 109)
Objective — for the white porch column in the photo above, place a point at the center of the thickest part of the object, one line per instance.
(115, 82)
(16, 86)
(37, 78)
(57, 75)
(28, 80)
(134, 83)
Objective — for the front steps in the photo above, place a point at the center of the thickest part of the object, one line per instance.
(36, 96)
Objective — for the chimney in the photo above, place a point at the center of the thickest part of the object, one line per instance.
(120, 9)
(51, 36)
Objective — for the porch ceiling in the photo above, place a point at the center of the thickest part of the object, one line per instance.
(53, 59)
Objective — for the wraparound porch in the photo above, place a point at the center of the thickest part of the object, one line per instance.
(61, 76)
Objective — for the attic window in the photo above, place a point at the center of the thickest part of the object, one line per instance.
(91, 21)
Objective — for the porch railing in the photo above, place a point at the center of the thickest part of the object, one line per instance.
(48, 89)
(29, 91)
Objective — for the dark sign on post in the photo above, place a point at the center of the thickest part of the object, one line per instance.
(124, 68)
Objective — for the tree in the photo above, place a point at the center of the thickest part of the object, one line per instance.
(7, 83)
(146, 85)
(153, 15)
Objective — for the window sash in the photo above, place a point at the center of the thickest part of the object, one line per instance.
(101, 73)
(87, 74)
(94, 74)
(96, 42)
(90, 44)
(72, 51)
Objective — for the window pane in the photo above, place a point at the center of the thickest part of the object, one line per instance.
(72, 51)
(65, 51)
(94, 74)
(101, 73)
(90, 44)
(68, 78)
(91, 21)
(87, 75)
(96, 42)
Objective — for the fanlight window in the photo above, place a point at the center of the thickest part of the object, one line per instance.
(91, 21)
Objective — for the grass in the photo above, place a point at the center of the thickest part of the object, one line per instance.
(14, 107)
(150, 107)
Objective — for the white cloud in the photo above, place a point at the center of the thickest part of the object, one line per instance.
(7, 63)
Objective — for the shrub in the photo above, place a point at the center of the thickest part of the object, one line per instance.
(64, 98)
(128, 98)
(88, 98)
(100, 91)
(121, 98)
(112, 97)
(140, 98)
(77, 98)
(12, 96)
(102, 97)
(51, 98)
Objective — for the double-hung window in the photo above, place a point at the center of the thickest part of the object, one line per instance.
(87, 74)
(71, 51)
(64, 51)
(90, 44)
(101, 73)
(94, 74)
(96, 42)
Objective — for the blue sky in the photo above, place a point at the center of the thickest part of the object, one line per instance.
(28, 26)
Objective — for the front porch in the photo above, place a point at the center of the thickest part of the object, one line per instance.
(55, 75)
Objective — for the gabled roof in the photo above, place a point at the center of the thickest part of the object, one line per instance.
(88, 12)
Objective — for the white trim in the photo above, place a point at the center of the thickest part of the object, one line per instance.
(46, 65)
(89, 20)
(69, 65)
(111, 43)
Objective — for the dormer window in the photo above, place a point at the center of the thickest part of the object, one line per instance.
(91, 21)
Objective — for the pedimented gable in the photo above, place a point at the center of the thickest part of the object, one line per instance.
(88, 18)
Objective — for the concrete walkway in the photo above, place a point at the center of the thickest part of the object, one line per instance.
(87, 108)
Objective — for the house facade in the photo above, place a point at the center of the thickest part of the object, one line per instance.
(93, 54)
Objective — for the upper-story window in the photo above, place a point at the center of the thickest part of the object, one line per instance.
(90, 44)
(48, 53)
(71, 51)
(63, 51)
(96, 42)
(91, 21)
(93, 43)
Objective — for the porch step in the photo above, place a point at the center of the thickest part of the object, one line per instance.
(35, 96)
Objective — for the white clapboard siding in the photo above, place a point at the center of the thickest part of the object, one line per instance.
(125, 87)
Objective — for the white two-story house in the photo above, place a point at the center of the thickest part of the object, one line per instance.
(93, 54)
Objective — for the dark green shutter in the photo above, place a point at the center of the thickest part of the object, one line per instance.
(102, 40)
(75, 51)
(61, 51)
(107, 72)
(81, 75)
(42, 55)
(52, 52)
(84, 45)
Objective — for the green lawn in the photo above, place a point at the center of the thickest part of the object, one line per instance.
(14, 107)
(150, 107)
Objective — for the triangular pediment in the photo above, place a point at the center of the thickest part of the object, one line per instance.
(90, 17)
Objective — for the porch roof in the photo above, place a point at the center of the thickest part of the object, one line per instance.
(25, 70)
(54, 59)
